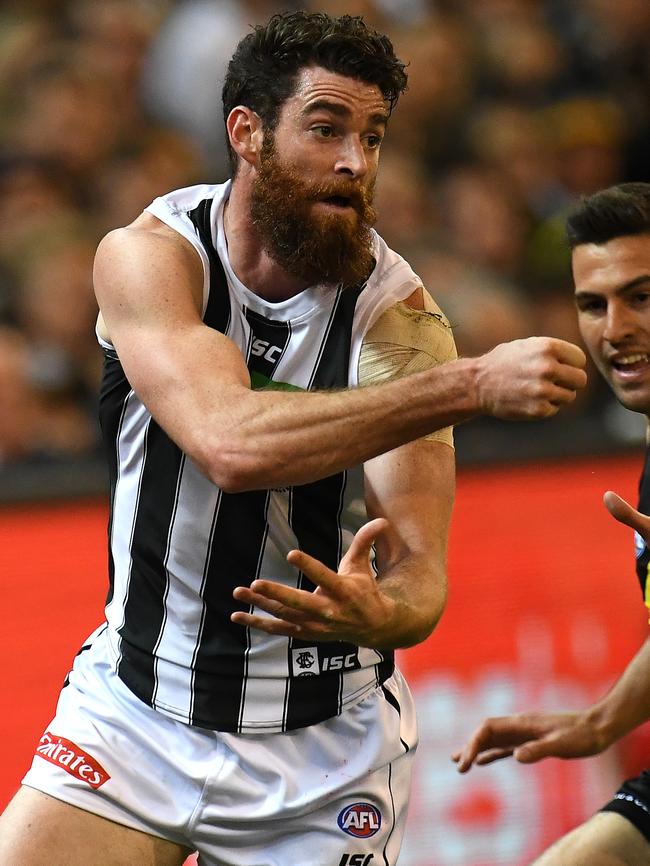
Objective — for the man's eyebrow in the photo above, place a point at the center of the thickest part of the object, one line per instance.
(380, 118)
(625, 287)
(632, 284)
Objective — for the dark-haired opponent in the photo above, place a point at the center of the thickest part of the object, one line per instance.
(609, 234)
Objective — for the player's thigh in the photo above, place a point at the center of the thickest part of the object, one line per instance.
(38, 830)
(607, 839)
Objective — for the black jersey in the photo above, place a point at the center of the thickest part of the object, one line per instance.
(642, 551)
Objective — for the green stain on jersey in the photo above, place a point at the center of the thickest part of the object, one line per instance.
(260, 382)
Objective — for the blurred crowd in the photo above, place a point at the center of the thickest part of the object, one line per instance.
(514, 109)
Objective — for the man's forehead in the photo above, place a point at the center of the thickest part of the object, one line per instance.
(600, 266)
(315, 84)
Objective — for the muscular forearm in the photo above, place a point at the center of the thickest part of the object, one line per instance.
(195, 383)
(249, 439)
(419, 598)
(273, 439)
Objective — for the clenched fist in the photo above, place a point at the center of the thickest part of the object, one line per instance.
(529, 378)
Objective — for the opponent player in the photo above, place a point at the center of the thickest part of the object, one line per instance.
(610, 237)
(242, 698)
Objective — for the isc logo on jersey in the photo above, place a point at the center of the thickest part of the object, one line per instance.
(360, 819)
(307, 662)
(263, 349)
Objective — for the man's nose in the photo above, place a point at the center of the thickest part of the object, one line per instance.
(619, 325)
(352, 158)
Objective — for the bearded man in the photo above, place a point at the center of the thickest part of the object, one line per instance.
(276, 531)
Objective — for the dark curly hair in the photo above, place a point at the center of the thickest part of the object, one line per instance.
(263, 70)
(611, 213)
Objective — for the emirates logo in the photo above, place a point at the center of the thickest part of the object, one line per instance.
(71, 758)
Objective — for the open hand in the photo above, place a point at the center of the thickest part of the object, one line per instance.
(529, 737)
(346, 605)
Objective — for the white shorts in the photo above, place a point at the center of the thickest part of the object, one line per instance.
(332, 794)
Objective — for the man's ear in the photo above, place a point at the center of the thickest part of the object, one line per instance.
(245, 133)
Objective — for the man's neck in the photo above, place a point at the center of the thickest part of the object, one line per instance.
(249, 260)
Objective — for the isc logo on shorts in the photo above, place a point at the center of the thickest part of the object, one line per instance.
(356, 859)
(360, 819)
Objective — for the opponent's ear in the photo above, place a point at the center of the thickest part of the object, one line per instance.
(245, 133)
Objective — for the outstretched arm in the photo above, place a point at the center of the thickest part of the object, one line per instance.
(195, 383)
(529, 737)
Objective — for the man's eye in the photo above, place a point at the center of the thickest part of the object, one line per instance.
(591, 306)
(324, 131)
(374, 141)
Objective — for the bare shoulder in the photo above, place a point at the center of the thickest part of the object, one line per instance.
(422, 301)
(147, 236)
(416, 300)
(146, 264)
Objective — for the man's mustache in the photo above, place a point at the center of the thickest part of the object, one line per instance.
(360, 198)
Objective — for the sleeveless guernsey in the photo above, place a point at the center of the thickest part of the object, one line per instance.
(178, 545)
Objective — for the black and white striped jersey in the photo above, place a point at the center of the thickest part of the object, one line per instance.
(178, 545)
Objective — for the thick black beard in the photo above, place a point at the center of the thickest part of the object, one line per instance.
(317, 248)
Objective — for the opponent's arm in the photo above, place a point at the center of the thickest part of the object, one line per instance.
(530, 737)
(627, 704)
(195, 382)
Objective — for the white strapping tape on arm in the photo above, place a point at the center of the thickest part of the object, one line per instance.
(404, 340)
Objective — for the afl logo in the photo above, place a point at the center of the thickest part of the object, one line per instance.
(360, 819)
